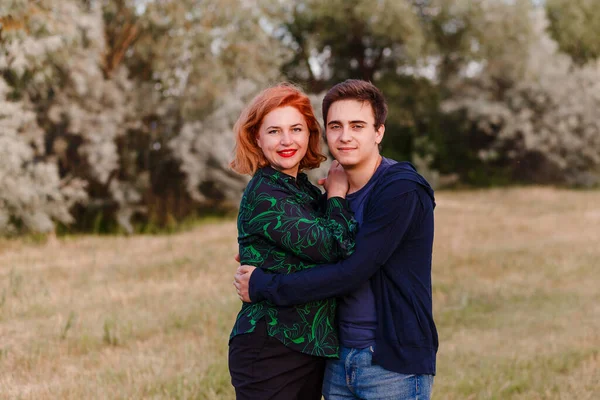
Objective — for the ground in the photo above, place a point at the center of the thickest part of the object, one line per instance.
(516, 300)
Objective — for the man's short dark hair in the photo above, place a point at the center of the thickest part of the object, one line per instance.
(363, 91)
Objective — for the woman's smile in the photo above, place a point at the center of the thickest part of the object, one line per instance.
(287, 153)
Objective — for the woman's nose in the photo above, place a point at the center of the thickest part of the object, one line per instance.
(286, 138)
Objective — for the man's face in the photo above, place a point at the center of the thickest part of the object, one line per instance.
(351, 134)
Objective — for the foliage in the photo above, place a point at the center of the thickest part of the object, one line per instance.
(119, 113)
(543, 127)
(336, 40)
(575, 25)
(125, 103)
(414, 51)
(31, 191)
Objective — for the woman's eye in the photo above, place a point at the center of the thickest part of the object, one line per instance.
(272, 132)
(297, 129)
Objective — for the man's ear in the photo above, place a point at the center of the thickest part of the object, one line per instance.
(379, 133)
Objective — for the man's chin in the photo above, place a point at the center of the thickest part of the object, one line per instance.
(345, 160)
(347, 164)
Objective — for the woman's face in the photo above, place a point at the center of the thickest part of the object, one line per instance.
(283, 139)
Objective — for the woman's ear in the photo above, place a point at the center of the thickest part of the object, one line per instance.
(257, 140)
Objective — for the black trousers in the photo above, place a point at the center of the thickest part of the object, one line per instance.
(262, 368)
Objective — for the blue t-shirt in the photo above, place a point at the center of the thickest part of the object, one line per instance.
(357, 316)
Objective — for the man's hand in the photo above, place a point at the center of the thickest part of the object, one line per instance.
(242, 281)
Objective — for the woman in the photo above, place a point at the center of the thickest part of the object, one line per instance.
(285, 225)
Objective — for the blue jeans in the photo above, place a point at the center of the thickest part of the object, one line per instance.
(353, 376)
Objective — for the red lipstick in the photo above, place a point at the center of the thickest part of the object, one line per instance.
(287, 153)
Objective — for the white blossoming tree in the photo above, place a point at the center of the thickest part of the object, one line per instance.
(32, 195)
(125, 104)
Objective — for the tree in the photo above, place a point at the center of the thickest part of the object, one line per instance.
(414, 50)
(202, 61)
(113, 92)
(32, 194)
(543, 127)
(336, 40)
(575, 26)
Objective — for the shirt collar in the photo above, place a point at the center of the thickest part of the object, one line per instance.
(274, 174)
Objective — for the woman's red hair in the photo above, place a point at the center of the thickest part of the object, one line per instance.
(248, 156)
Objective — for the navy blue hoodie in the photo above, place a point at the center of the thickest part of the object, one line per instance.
(393, 250)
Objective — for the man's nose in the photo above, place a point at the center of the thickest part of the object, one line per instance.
(345, 136)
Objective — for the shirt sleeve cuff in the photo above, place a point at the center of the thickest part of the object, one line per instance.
(337, 202)
(259, 281)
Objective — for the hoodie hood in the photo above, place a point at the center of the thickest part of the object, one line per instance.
(407, 171)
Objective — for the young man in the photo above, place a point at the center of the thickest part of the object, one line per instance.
(387, 333)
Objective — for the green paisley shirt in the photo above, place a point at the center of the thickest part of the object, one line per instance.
(286, 225)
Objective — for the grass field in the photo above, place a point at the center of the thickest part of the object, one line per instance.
(516, 300)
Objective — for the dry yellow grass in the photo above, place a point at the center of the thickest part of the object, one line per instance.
(516, 297)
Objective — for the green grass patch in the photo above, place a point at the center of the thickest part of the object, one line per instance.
(497, 378)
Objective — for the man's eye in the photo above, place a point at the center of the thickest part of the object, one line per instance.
(358, 126)
(334, 127)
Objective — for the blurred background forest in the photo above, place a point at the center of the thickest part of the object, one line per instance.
(117, 115)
